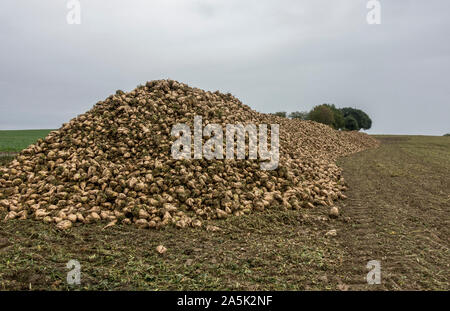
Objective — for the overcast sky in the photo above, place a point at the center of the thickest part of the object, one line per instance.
(273, 55)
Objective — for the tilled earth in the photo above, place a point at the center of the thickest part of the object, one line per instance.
(399, 201)
(397, 212)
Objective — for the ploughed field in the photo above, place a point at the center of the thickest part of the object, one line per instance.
(397, 212)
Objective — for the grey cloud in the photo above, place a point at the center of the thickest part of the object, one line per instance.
(274, 55)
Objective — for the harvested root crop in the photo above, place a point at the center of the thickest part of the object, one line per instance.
(113, 164)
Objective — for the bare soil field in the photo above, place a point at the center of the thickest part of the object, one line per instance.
(399, 202)
(397, 212)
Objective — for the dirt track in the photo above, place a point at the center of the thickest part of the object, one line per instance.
(399, 202)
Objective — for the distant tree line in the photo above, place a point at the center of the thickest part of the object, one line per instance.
(349, 119)
(282, 114)
(447, 134)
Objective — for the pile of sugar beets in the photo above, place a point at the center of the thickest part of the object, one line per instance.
(114, 164)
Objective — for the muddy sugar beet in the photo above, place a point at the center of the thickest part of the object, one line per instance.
(114, 163)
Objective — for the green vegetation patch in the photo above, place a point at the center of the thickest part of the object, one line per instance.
(17, 140)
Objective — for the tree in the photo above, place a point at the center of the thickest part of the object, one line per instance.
(282, 114)
(322, 114)
(351, 124)
(302, 115)
(363, 120)
(447, 134)
(339, 121)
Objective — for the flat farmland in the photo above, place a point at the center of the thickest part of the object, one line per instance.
(15, 141)
(397, 212)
